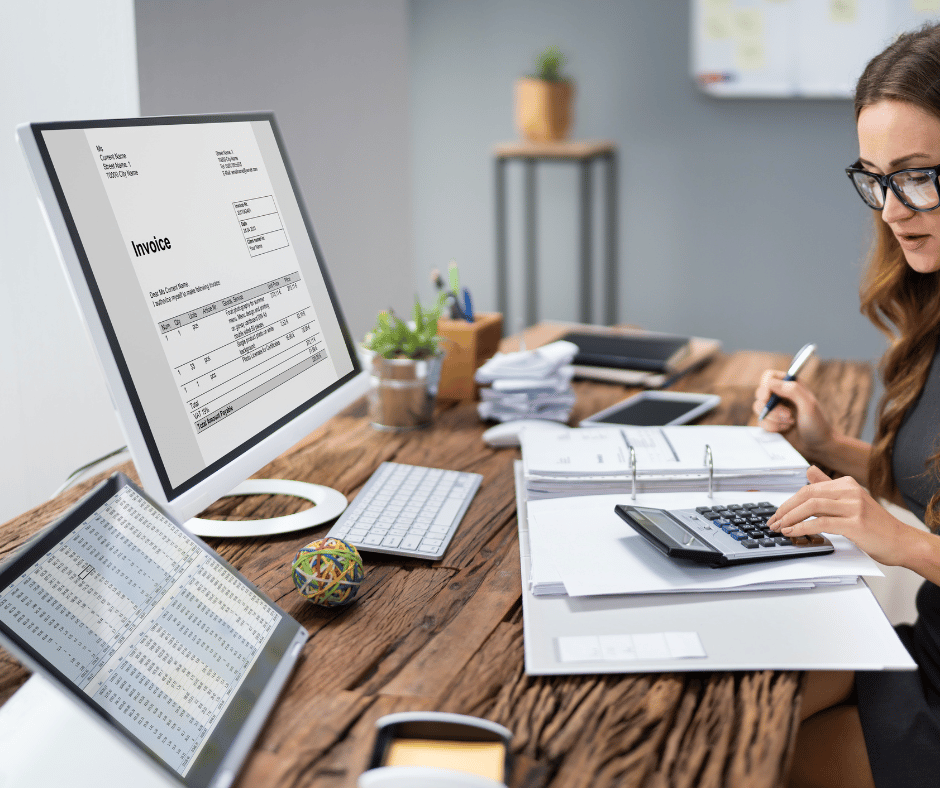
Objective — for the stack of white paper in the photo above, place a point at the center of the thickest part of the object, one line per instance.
(529, 384)
(581, 547)
(598, 461)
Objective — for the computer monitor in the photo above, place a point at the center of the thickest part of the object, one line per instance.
(197, 272)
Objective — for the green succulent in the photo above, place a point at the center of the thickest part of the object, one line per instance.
(392, 337)
(549, 64)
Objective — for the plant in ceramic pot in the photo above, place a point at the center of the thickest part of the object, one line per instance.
(404, 359)
(544, 99)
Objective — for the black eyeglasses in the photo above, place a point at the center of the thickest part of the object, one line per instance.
(916, 187)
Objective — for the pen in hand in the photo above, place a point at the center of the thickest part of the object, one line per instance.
(798, 361)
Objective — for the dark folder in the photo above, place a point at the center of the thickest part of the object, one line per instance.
(649, 353)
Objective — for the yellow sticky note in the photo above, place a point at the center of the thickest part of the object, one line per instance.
(751, 54)
(843, 11)
(476, 757)
(748, 23)
(718, 24)
(925, 6)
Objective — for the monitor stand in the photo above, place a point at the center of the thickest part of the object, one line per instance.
(45, 739)
(328, 504)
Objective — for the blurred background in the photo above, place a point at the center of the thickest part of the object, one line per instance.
(735, 218)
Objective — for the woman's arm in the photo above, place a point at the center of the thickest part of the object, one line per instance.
(843, 506)
(845, 455)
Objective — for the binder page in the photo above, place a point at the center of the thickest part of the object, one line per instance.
(733, 448)
(605, 451)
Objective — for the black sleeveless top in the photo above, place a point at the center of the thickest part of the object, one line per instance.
(900, 711)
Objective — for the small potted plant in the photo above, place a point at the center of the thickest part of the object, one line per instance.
(544, 99)
(404, 359)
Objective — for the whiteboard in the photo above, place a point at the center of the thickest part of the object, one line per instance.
(794, 48)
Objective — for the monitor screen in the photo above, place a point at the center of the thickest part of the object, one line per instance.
(199, 275)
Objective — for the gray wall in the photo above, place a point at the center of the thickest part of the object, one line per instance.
(736, 219)
(336, 76)
(55, 414)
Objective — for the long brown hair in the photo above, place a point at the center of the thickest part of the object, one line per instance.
(901, 302)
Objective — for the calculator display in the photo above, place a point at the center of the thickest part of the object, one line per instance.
(661, 521)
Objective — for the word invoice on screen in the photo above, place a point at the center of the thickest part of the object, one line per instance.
(220, 275)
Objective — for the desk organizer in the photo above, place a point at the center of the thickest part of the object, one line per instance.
(467, 346)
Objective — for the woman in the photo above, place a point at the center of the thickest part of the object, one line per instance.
(883, 729)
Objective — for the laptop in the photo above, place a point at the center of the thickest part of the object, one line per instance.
(171, 659)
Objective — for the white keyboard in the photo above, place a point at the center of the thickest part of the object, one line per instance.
(407, 510)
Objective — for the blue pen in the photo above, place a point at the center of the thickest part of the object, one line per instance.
(467, 306)
(798, 361)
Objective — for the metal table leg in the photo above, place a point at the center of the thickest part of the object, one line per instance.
(531, 276)
(611, 280)
(587, 228)
(502, 276)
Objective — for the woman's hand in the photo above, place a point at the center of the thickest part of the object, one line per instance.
(799, 416)
(843, 506)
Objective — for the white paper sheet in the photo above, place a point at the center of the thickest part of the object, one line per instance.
(619, 648)
(581, 547)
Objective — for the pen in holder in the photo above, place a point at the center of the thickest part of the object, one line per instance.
(709, 466)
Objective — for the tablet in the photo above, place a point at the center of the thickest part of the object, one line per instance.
(148, 628)
(654, 409)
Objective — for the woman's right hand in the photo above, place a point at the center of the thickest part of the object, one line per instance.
(798, 416)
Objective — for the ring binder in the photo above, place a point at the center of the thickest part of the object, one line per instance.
(710, 464)
(632, 460)
(633, 471)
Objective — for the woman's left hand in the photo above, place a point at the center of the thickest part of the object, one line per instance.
(842, 506)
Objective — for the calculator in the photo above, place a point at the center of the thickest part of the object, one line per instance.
(720, 535)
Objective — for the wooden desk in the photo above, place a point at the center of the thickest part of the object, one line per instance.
(448, 635)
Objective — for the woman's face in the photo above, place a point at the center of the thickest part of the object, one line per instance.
(895, 135)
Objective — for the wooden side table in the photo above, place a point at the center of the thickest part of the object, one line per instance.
(584, 153)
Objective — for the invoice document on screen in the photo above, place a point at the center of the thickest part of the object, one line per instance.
(225, 272)
(248, 312)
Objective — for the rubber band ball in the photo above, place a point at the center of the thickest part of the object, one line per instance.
(328, 572)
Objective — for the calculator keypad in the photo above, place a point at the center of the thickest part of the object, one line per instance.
(747, 525)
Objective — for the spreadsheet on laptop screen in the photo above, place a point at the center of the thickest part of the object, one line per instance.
(152, 628)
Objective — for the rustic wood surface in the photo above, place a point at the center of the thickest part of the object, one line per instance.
(448, 635)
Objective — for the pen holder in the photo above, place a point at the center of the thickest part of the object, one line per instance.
(467, 346)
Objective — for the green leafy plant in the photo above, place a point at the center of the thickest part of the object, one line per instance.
(549, 64)
(393, 338)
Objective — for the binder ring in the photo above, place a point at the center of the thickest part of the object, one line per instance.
(633, 472)
(710, 464)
